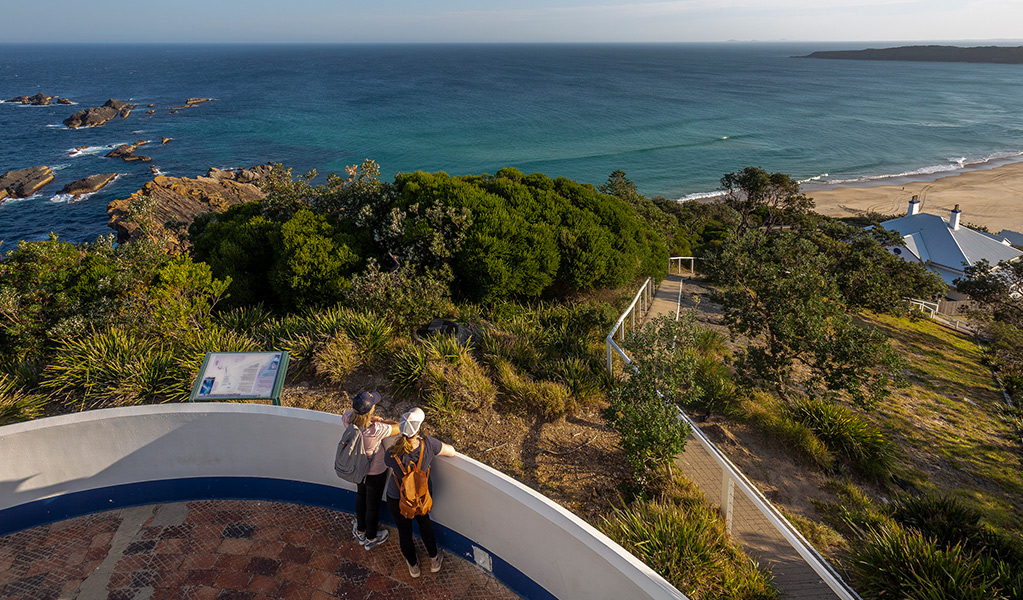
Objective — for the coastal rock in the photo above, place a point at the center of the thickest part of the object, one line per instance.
(90, 184)
(39, 99)
(174, 201)
(96, 116)
(126, 152)
(24, 183)
(191, 102)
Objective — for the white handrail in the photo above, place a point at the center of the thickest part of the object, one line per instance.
(931, 308)
(645, 294)
(692, 262)
(732, 476)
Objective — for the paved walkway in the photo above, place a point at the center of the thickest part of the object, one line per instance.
(222, 550)
(793, 577)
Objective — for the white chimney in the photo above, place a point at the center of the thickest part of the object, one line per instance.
(953, 219)
(914, 207)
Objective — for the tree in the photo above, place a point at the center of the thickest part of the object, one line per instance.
(998, 290)
(771, 196)
(778, 291)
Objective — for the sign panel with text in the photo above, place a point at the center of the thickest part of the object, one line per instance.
(241, 376)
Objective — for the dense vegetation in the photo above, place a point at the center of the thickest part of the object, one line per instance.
(339, 274)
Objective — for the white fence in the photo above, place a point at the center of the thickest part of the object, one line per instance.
(931, 310)
(634, 316)
(678, 259)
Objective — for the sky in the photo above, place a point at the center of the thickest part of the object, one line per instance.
(345, 21)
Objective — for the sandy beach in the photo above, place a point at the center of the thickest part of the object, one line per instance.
(989, 197)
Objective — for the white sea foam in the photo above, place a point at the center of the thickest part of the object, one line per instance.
(701, 196)
(816, 178)
(67, 198)
(90, 150)
(953, 165)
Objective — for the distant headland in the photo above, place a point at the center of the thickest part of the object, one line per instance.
(1012, 55)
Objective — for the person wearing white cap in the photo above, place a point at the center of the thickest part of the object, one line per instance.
(411, 447)
(369, 492)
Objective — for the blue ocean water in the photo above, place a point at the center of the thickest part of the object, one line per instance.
(673, 117)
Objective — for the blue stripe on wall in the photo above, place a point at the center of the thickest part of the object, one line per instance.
(76, 504)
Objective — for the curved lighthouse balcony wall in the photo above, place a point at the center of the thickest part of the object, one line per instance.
(67, 466)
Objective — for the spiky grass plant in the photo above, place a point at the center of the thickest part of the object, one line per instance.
(370, 333)
(847, 434)
(407, 371)
(244, 319)
(549, 399)
(16, 405)
(892, 562)
(681, 537)
(108, 368)
(337, 358)
(577, 375)
(196, 344)
(768, 414)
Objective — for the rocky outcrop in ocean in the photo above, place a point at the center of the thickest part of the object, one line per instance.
(126, 152)
(192, 102)
(90, 184)
(170, 203)
(96, 116)
(39, 99)
(24, 183)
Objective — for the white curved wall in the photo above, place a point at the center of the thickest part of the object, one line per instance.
(116, 447)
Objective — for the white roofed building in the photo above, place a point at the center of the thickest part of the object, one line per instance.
(944, 245)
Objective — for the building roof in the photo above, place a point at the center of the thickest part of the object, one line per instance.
(931, 238)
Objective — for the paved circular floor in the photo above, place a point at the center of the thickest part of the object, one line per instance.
(222, 549)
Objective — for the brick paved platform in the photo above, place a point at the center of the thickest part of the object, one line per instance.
(224, 550)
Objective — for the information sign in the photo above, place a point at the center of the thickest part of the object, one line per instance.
(241, 376)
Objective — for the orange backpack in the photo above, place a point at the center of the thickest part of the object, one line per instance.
(413, 488)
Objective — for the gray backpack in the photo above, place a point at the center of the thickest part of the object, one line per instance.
(351, 462)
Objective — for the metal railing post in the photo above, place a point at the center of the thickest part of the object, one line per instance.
(727, 498)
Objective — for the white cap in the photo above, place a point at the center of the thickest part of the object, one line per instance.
(410, 422)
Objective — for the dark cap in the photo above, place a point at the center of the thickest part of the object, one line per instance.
(364, 402)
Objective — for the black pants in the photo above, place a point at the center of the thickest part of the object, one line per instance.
(408, 547)
(367, 503)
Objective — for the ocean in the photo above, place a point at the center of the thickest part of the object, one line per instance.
(674, 117)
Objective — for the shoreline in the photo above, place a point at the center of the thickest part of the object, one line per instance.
(990, 197)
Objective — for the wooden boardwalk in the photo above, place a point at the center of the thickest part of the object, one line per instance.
(793, 576)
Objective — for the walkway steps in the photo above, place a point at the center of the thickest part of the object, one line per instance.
(793, 576)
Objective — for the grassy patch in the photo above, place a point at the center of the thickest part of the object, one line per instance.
(951, 423)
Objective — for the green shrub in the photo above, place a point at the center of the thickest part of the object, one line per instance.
(681, 537)
(715, 391)
(403, 297)
(847, 434)
(892, 562)
(16, 405)
(337, 359)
